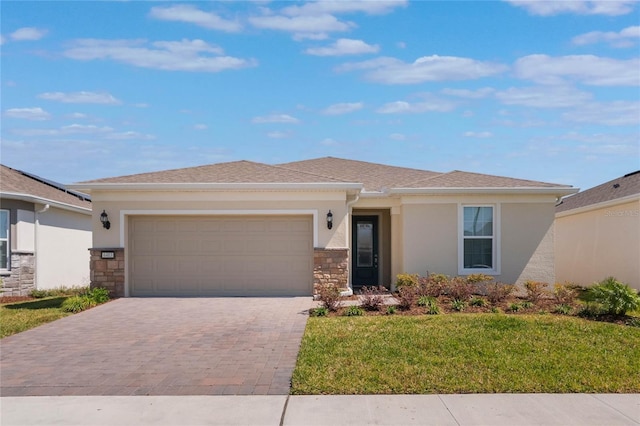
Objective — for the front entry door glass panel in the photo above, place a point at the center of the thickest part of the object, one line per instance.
(365, 251)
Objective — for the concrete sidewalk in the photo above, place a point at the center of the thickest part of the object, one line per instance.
(273, 410)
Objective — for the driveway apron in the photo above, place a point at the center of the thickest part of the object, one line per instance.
(160, 346)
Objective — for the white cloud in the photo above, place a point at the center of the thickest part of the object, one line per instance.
(77, 115)
(617, 113)
(129, 135)
(278, 135)
(479, 135)
(193, 15)
(185, 55)
(2, 40)
(401, 45)
(427, 68)
(28, 34)
(310, 24)
(329, 142)
(397, 136)
(72, 129)
(429, 104)
(378, 7)
(275, 118)
(586, 69)
(580, 7)
(34, 114)
(343, 108)
(200, 127)
(344, 46)
(627, 37)
(469, 94)
(543, 96)
(81, 98)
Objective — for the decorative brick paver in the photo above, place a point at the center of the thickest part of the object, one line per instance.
(160, 346)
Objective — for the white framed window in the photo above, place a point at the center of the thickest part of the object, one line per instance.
(478, 243)
(4, 240)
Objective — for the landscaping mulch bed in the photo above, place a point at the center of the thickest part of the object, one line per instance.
(13, 299)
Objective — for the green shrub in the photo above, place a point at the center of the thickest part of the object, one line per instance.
(406, 280)
(430, 303)
(329, 295)
(391, 309)
(458, 305)
(535, 290)
(590, 310)
(478, 301)
(615, 297)
(563, 309)
(526, 304)
(320, 311)
(515, 307)
(77, 304)
(99, 295)
(564, 294)
(497, 292)
(354, 311)
(496, 310)
(38, 294)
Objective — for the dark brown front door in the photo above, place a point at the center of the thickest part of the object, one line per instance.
(365, 251)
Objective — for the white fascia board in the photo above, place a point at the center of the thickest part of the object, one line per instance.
(39, 200)
(602, 205)
(557, 191)
(313, 186)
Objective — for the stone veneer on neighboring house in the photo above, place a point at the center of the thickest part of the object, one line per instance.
(21, 278)
(330, 266)
(108, 273)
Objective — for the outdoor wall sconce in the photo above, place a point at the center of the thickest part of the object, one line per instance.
(329, 220)
(104, 218)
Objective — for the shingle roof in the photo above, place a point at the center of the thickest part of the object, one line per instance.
(14, 181)
(621, 187)
(232, 172)
(374, 177)
(459, 179)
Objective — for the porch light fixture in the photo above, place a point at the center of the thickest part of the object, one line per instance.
(329, 220)
(104, 218)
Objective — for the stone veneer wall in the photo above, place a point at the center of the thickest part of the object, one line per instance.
(331, 266)
(21, 278)
(108, 273)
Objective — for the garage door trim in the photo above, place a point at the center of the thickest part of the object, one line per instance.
(124, 214)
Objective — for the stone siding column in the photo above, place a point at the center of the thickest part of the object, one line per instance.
(108, 273)
(21, 278)
(331, 266)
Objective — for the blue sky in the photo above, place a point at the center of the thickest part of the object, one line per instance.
(543, 90)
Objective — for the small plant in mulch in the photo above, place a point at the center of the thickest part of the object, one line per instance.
(391, 309)
(535, 291)
(406, 297)
(458, 305)
(478, 302)
(320, 311)
(372, 298)
(565, 294)
(329, 295)
(498, 292)
(563, 309)
(353, 311)
(460, 289)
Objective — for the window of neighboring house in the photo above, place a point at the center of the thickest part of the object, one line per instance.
(4, 239)
(478, 244)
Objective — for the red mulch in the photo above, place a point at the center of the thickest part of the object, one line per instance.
(13, 299)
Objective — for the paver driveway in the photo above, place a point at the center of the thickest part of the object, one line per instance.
(160, 346)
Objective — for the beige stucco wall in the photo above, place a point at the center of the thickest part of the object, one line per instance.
(202, 202)
(592, 245)
(526, 250)
(62, 239)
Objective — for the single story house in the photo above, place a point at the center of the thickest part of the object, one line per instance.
(45, 232)
(598, 233)
(245, 228)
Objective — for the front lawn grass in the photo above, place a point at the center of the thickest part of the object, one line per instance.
(18, 317)
(466, 353)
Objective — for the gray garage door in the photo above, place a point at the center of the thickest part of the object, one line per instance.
(220, 255)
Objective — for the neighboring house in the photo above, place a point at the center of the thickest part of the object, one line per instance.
(245, 228)
(598, 233)
(45, 234)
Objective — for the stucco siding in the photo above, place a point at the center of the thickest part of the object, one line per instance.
(430, 233)
(63, 239)
(527, 242)
(204, 202)
(592, 245)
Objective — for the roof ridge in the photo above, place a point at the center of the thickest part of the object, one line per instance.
(312, 174)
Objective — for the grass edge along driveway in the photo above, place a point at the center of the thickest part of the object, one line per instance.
(466, 353)
(16, 317)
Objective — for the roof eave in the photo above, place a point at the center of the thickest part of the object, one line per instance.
(40, 200)
(600, 205)
(557, 191)
(245, 186)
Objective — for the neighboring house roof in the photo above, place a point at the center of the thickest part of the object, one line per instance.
(327, 171)
(16, 184)
(621, 187)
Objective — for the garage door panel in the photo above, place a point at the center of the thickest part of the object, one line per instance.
(220, 256)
